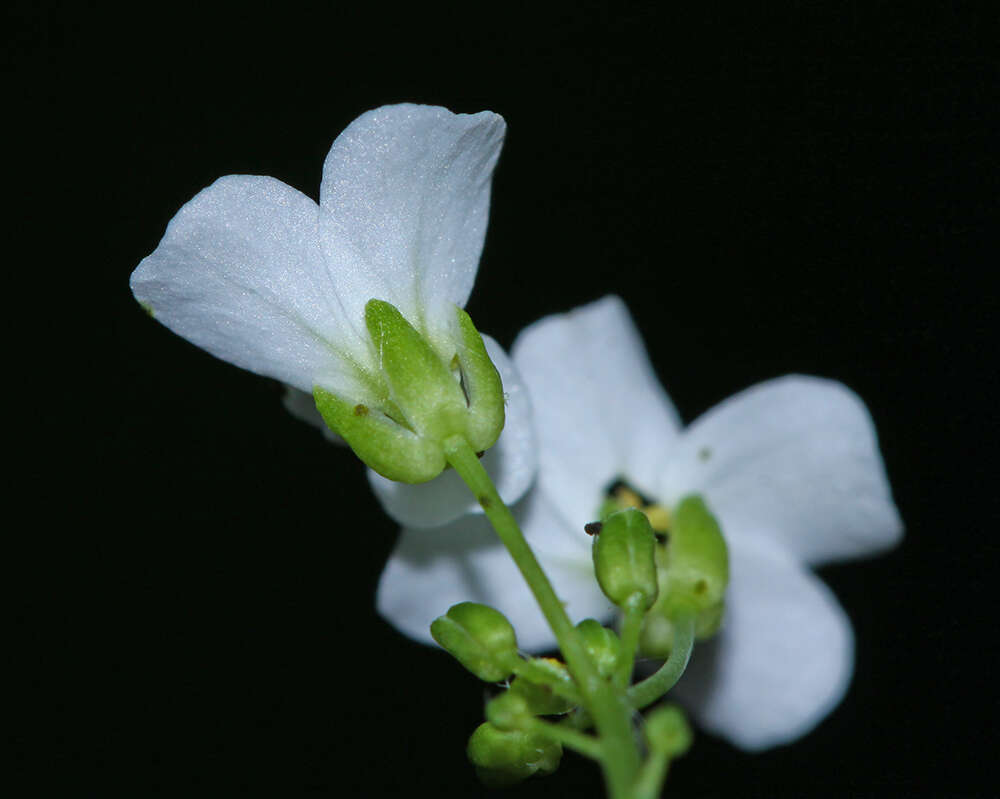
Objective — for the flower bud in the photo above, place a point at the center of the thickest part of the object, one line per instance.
(624, 557)
(504, 758)
(508, 711)
(478, 637)
(541, 699)
(693, 572)
(601, 644)
(667, 731)
(556, 669)
(698, 558)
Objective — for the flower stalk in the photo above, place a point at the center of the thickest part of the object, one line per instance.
(633, 612)
(663, 679)
(619, 754)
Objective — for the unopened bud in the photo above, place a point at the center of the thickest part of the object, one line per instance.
(624, 558)
(504, 758)
(697, 558)
(508, 711)
(541, 699)
(601, 644)
(693, 572)
(667, 731)
(478, 637)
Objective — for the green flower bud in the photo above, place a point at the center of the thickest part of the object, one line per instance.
(478, 637)
(541, 699)
(708, 621)
(624, 557)
(504, 758)
(693, 572)
(667, 731)
(555, 668)
(698, 559)
(508, 711)
(602, 644)
(428, 393)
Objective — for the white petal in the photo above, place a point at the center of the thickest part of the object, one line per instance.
(431, 570)
(795, 459)
(303, 407)
(511, 462)
(405, 200)
(783, 659)
(239, 272)
(600, 412)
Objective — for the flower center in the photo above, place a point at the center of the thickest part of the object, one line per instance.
(620, 495)
(692, 563)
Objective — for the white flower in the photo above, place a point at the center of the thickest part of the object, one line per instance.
(261, 276)
(790, 468)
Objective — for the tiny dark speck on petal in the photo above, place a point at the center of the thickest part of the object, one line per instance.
(704, 454)
(484, 501)
(360, 410)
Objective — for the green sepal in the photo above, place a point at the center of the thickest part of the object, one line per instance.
(480, 638)
(427, 392)
(482, 386)
(667, 731)
(624, 559)
(505, 758)
(421, 385)
(603, 646)
(385, 445)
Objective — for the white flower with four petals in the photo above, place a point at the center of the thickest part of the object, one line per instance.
(790, 467)
(261, 276)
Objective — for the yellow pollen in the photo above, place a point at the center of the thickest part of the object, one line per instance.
(659, 517)
(627, 498)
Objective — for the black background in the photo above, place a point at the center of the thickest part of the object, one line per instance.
(802, 191)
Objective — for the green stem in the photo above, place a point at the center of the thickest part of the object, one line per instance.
(611, 715)
(568, 737)
(652, 688)
(631, 626)
(651, 776)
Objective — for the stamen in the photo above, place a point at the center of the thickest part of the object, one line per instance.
(659, 517)
(620, 495)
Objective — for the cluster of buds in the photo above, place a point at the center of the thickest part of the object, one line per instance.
(640, 574)
(504, 749)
